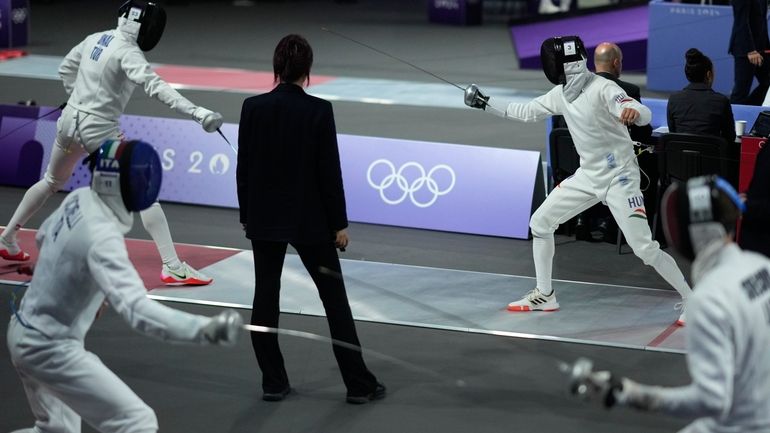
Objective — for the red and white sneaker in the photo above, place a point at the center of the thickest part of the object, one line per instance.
(535, 301)
(12, 251)
(184, 275)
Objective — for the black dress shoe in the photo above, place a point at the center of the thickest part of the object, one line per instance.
(377, 394)
(276, 396)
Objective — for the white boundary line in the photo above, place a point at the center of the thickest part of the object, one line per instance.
(511, 334)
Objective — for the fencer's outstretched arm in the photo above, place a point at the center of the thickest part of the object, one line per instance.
(108, 263)
(139, 71)
(538, 109)
(68, 69)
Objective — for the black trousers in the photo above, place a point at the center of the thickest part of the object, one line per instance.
(745, 73)
(268, 266)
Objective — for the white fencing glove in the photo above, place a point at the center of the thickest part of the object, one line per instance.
(209, 120)
(474, 98)
(636, 395)
(224, 328)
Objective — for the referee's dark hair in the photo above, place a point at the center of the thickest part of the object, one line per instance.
(292, 59)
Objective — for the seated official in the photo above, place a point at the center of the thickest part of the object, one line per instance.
(698, 109)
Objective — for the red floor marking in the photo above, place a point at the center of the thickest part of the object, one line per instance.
(663, 335)
(11, 54)
(143, 254)
(223, 78)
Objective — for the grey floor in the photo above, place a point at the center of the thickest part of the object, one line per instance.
(442, 381)
(611, 315)
(219, 391)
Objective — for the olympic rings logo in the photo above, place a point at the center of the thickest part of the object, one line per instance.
(409, 188)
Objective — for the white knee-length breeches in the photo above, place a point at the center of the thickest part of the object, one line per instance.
(626, 203)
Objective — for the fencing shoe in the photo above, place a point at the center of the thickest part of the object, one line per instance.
(184, 275)
(680, 306)
(10, 250)
(535, 301)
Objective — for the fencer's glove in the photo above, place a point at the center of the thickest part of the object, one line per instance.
(474, 98)
(224, 328)
(209, 120)
(609, 390)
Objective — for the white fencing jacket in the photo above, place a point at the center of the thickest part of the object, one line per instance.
(728, 346)
(601, 140)
(83, 261)
(101, 72)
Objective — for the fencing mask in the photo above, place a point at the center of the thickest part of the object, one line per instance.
(151, 19)
(697, 213)
(129, 169)
(555, 52)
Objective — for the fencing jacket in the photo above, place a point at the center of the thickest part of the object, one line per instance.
(101, 72)
(83, 261)
(728, 345)
(602, 142)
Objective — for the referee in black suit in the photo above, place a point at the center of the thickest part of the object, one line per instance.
(290, 192)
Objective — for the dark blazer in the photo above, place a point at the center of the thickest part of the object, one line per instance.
(642, 133)
(749, 27)
(755, 227)
(697, 109)
(288, 175)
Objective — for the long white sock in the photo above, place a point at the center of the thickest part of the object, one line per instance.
(542, 251)
(33, 200)
(666, 266)
(154, 221)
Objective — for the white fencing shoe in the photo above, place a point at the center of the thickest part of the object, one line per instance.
(535, 301)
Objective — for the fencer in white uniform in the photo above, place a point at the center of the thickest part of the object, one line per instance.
(83, 263)
(100, 75)
(597, 111)
(728, 328)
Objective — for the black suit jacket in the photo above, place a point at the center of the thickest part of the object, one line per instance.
(697, 109)
(288, 175)
(749, 27)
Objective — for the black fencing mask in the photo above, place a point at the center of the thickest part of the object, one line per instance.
(693, 217)
(555, 52)
(151, 18)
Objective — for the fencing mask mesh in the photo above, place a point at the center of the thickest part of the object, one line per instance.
(555, 52)
(698, 213)
(151, 18)
(128, 169)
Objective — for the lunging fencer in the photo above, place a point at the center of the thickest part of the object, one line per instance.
(597, 112)
(728, 335)
(100, 75)
(83, 263)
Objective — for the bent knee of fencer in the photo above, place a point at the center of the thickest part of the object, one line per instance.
(541, 226)
(54, 183)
